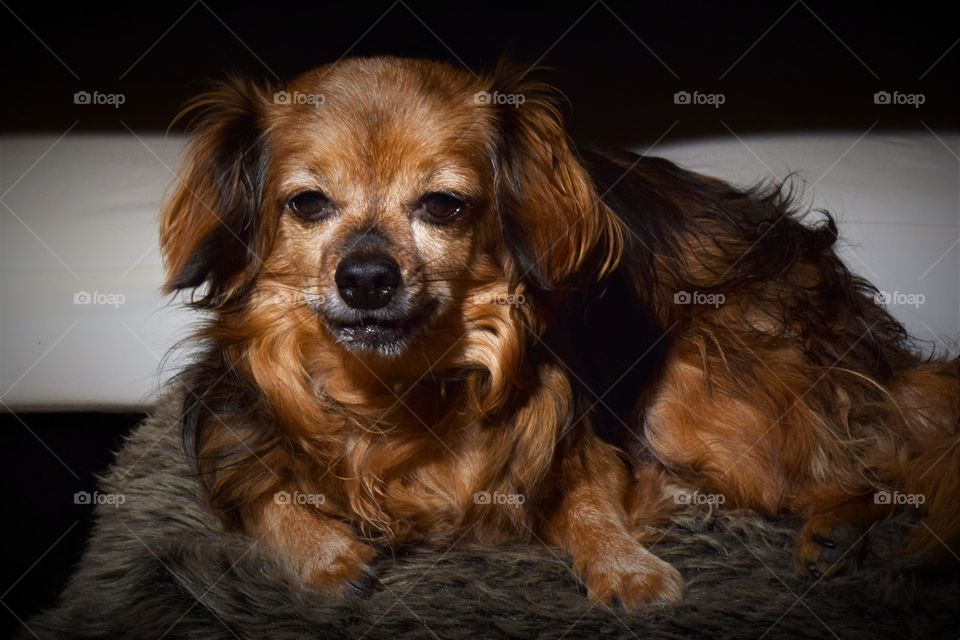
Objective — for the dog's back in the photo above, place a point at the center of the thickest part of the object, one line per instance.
(766, 368)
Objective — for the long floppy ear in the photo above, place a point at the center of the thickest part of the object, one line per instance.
(208, 224)
(550, 214)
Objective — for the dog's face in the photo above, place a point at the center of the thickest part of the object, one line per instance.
(381, 186)
(380, 194)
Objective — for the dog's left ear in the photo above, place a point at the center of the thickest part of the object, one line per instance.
(551, 216)
(208, 225)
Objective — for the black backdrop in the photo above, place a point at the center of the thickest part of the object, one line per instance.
(792, 65)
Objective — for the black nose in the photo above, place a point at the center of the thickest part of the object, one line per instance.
(367, 282)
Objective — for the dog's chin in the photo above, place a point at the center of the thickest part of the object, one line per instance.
(381, 336)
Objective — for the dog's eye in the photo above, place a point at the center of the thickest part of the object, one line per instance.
(311, 205)
(440, 207)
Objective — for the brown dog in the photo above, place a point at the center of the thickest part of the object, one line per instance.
(401, 260)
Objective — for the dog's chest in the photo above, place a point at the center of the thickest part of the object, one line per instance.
(430, 488)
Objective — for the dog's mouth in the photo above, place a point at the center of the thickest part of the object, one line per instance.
(382, 334)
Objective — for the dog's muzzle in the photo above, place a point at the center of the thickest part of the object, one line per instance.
(376, 310)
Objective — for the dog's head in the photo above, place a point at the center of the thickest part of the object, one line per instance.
(380, 195)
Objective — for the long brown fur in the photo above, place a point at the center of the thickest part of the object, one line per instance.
(787, 388)
(406, 445)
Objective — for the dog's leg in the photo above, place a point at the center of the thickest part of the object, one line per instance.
(323, 552)
(591, 523)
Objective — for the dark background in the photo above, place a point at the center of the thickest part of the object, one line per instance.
(805, 66)
(803, 74)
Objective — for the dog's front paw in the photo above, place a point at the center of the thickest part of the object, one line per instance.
(340, 566)
(630, 577)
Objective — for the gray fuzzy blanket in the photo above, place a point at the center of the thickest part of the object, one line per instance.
(159, 565)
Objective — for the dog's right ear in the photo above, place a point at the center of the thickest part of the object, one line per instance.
(208, 225)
